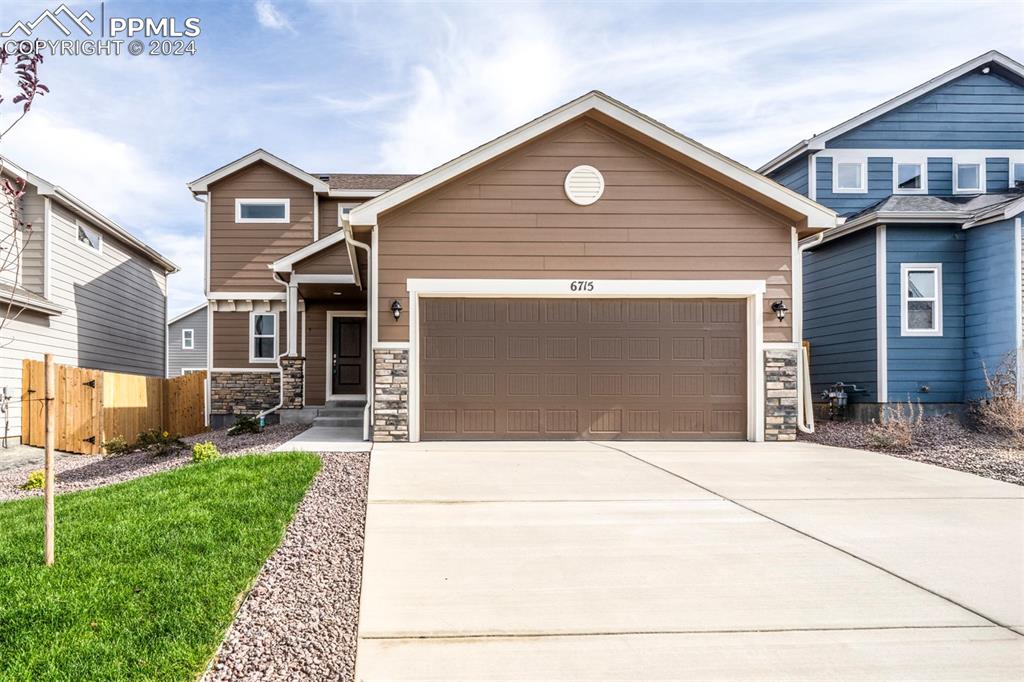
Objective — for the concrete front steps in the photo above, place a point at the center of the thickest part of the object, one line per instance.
(341, 413)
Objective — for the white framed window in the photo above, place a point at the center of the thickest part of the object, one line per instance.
(191, 370)
(262, 210)
(849, 176)
(1016, 174)
(344, 208)
(188, 339)
(969, 176)
(90, 237)
(909, 176)
(921, 299)
(262, 337)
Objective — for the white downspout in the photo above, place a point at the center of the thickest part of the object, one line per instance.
(280, 369)
(370, 301)
(805, 416)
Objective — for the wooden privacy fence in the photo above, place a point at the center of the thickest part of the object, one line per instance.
(95, 406)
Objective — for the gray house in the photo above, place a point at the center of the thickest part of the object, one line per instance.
(186, 342)
(84, 289)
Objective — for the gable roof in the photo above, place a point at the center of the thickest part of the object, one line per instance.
(185, 314)
(774, 195)
(286, 263)
(818, 141)
(202, 185)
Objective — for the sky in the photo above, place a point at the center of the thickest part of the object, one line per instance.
(404, 87)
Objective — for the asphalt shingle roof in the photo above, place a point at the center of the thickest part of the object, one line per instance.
(363, 181)
(962, 203)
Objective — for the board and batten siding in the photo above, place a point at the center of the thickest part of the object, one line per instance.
(179, 358)
(840, 319)
(933, 361)
(511, 219)
(975, 111)
(241, 252)
(231, 341)
(115, 316)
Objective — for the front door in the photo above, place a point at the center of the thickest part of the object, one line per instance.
(348, 355)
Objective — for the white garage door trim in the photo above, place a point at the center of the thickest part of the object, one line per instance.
(752, 290)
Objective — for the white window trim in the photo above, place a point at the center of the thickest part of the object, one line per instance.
(343, 205)
(252, 336)
(905, 269)
(240, 201)
(191, 345)
(917, 161)
(1016, 161)
(187, 370)
(80, 225)
(753, 291)
(862, 164)
(969, 160)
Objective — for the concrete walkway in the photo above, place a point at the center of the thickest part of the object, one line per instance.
(668, 561)
(327, 439)
(18, 456)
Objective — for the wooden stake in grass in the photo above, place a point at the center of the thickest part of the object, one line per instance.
(51, 414)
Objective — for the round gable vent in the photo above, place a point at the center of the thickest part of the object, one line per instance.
(584, 185)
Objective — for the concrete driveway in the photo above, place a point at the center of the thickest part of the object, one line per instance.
(670, 561)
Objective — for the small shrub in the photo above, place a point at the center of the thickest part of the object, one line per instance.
(204, 452)
(896, 429)
(1001, 412)
(160, 443)
(245, 424)
(117, 445)
(36, 481)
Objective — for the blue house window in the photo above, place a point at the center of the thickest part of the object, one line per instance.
(968, 177)
(921, 299)
(1018, 176)
(909, 177)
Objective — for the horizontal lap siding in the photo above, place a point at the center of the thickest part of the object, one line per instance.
(333, 260)
(991, 317)
(241, 252)
(511, 219)
(840, 314)
(231, 341)
(793, 175)
(879, 186)
(935, 361)
(178, 357)
(316, 346)
(976, 111)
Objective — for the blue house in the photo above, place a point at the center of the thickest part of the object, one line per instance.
(919, 290)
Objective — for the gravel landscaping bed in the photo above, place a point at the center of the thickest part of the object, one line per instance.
(82, 472)
(939, 440)
(299, 621)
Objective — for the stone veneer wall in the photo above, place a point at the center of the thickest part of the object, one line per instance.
(292, 371)
(238, 393)
(781, 385)
(390, 394)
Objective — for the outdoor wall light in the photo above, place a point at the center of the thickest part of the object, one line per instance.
(396, 309)
(780, 309)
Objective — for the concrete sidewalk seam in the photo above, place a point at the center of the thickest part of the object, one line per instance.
(814, 538)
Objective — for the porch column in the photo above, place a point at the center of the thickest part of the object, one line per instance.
(293, 317)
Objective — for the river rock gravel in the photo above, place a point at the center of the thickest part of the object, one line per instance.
(299, 621)
(82, 472)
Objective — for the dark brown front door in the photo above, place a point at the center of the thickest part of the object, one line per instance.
(348, 355)
(596, 369)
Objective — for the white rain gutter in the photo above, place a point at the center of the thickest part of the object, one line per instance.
(349, 237)
(804, 399)
(280, 369)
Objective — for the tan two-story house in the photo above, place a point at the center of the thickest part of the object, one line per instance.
(592, 274)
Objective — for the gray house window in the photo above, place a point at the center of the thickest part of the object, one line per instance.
(263, 337)
(261, 210)
(90, 237)
(188, 339)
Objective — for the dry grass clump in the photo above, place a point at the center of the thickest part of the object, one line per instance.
(1002, 412)
(895, 431)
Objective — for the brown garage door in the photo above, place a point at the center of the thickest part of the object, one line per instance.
(582, 368)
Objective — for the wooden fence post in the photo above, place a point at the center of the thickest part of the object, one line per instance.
(51, 415)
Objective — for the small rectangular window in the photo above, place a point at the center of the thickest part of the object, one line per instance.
(1018, 176)
(90, 237)
(263, 339)
(188, 339)
(909, 177)
(921, 299)
(849, 177)
(968, 177)
(261, 210)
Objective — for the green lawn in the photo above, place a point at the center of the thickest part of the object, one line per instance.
(148, 572)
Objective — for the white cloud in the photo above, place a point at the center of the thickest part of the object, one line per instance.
(270, 17)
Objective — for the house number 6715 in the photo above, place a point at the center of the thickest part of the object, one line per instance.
(581, 285)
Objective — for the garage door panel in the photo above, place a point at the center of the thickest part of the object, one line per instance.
(594, 368)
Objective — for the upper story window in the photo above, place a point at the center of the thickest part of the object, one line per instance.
(188, 339)
(968, 176)
(261, 210)
(909, 177)
(849, 176)
(262, 337)
(1018, 176)
(921, 299)
(90, 237)
(344, 209)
